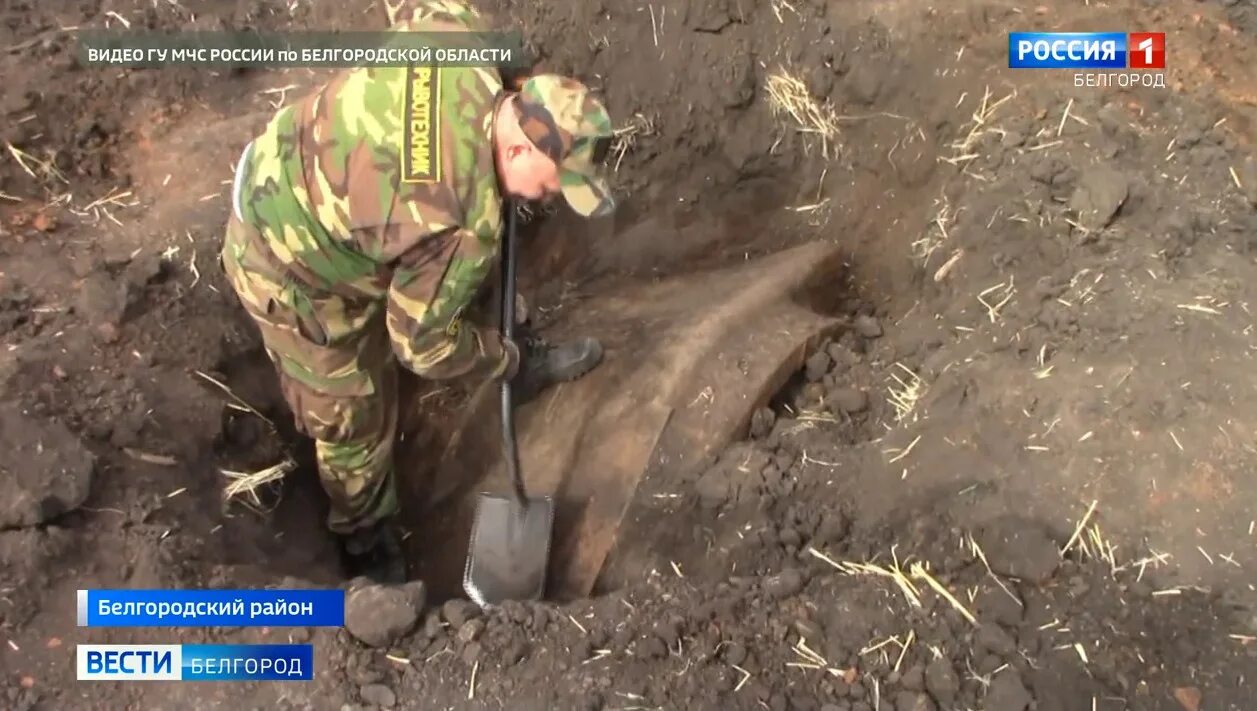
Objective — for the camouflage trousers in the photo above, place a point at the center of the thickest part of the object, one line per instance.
(336, 372)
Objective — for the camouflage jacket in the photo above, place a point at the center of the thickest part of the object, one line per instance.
(381, 185)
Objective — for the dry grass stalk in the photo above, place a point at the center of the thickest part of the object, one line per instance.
(788, 95)
(624, 139)
(894, 572)
(936, 234)
(908, 392)
(236, 399)
(977, 550)
(777, 6)
(1005, 291)
(243, 486)
(1080, 528)
(26, 160)
(977, 128)
(149, 458)
(919, 571)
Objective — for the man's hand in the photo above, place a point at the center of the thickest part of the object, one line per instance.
(511, 353)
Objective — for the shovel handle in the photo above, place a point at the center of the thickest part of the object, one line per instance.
(510, 450)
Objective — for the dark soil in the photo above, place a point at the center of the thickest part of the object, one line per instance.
(1042, 403)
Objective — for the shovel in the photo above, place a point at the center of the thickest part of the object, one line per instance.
(510, 538)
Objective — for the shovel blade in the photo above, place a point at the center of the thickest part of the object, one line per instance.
(510, 550)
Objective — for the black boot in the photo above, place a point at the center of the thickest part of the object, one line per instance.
(545, 364)
(376, 553)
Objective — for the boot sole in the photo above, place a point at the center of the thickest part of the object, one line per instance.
(581, 367)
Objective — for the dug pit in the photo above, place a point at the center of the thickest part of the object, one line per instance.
(689, 359)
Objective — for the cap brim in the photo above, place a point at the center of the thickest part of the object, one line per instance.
(588, 194)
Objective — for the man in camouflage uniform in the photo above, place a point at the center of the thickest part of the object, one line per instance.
(365, 219)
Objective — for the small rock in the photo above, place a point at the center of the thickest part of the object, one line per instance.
(515, 652)
(517, 612)
(771, 477)
(670, 631)
(833, 528)
(1019, 548)
(849, 400)
(868, 326)
(713, 487)
(817, 366)
(432, 627)
(364, 675)
(996, 605)
(790, 537)
(783, 459)
(458, 612)
(1099, 195)
(841, 357)
(762, 423)
(993, 638)
(652, 648)
(46, 471)
(864, 84)
(1078, 586)
(820, 82)
(811, 393)
(1187, 138)
(913, 701)
(379, 695)
(142, 271)
(102, 300)
(988, 664)
(803, 701)
(471, 653)
(942, 683)
(1007, 693)
(737, 81)
(379, 615)
(470, 631)
(914, 678)
(1188, 697)
(784, 584)
(841, 688)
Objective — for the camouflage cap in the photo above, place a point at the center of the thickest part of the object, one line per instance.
(566, 122)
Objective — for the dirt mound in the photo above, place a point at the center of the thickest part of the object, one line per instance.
(1016, 480)
(827, 632)
(55, 473)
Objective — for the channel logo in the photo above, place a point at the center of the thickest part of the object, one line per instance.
(1086, 50)
(195, 662)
